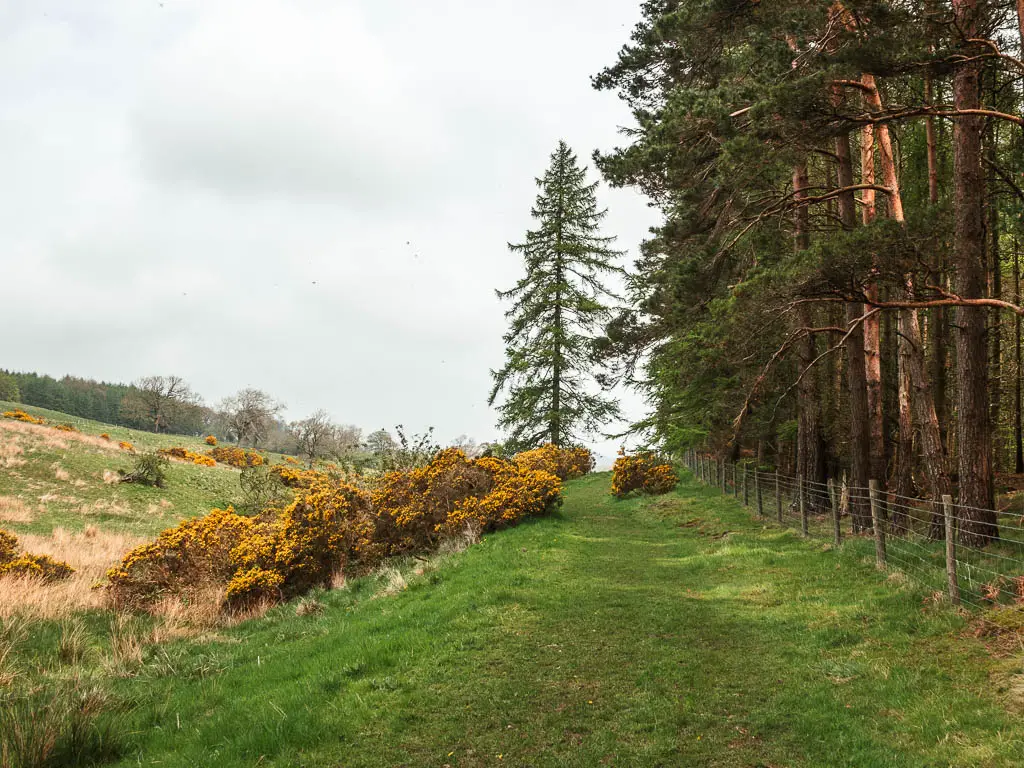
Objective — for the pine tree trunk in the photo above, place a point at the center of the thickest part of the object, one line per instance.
(911, 351)
(855, 367)
(810, 458)
(995, 319)
(1018, 428)
(974, 441)
(937, 326)
(873, 325)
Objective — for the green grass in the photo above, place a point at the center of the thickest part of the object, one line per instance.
(83, 499)
(667, 632)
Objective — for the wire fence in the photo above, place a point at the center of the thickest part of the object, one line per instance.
(923, 538)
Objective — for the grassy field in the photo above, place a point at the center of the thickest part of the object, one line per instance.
(670, 632)
(674, 631)
(52, 479)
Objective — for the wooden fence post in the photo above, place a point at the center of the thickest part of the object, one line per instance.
(735, 484)
(837, 531)
(725, 483)
(778, 496)
(757, 492)
(803, 504)
(878, 524)
(954, 587)
(746, 486)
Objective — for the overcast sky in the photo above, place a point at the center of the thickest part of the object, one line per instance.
(312, 197)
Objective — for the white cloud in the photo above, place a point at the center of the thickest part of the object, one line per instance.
(310, 196)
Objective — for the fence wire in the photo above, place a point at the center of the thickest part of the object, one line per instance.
(983, 567)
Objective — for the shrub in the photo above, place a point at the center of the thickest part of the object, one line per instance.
(105, 436)
(66, 428)
(263, 488)
(19, 415)
(423, 505)
(324, 529)
(39, 566)
(329, 526)
(211, 440)
(236, 457)
(126, 446)
(186, 455)
(564, 463)
(188, 557)
(147, 469)
(645, 471)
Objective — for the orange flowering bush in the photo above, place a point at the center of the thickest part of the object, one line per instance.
(644, 471)
(194, 554)
(564, 463)
(24, 564)
(236, 457)
(105, 436)
(186, 455)
(126, 446)
(294, 477)
(330, 525)
(291, 460)
(19, 415)
(66, 428)
(420, 506)
(211, 440)
(326, 528)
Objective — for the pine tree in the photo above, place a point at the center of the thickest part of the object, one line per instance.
(558, 306)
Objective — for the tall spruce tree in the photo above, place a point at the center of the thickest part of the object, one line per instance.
(558, 307)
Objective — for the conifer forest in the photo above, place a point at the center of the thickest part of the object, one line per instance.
(835, 287)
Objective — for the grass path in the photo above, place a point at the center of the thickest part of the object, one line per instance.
(669, 632)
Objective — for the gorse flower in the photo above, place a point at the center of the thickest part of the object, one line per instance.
(236, 457)
(565, 463)
(19, 415)
(644, 471)
(39, 566)
(184, 454)
(330, 525)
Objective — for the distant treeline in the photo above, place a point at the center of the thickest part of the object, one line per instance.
(88, 399)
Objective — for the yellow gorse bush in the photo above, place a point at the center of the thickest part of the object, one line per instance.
(644, 471)
(19, 415)
(186, 455)
(329, 526)
(422, 505)
(66, 428)
(194, 554)
(564, 463)
(211, 440)
(236, 457)
(24, 564)
(126, 446)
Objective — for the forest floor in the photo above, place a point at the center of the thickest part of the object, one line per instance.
(675, 631)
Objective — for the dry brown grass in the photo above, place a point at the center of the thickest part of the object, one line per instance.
(15, 510)
(35, 435)
(60, 473)
(106, 507)
(393, 581)
(10, 452)
(91, 553)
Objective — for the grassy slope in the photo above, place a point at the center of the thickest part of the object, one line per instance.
(634, 633)
(84, 499)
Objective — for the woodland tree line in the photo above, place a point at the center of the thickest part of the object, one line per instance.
(835, 287)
